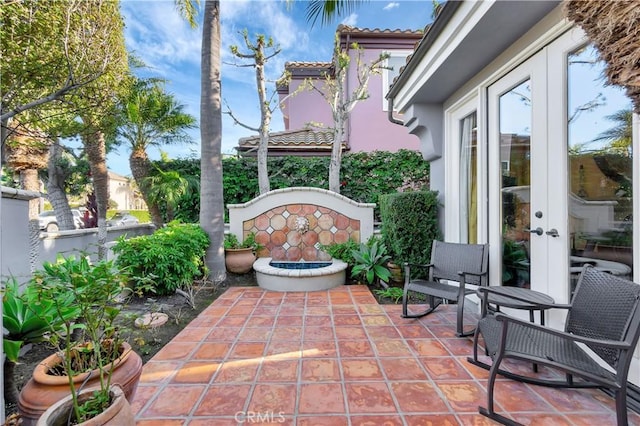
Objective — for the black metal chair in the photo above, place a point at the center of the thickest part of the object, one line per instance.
(604, 316)
(462, 263)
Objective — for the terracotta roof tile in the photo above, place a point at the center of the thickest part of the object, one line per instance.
(305, 137)
(346, 29)
(302, 64)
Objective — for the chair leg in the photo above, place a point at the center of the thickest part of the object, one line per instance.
(460, 320)
(490, 411)
(621, 406)
(405, 309)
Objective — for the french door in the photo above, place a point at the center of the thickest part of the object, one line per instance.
(557, 187)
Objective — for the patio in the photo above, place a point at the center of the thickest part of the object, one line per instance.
(336, 357)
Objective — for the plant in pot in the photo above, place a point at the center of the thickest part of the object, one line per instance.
(370, 263)
(239, 256)
(27, 320)
(94, 370)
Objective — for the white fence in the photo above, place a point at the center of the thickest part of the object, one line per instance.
(14, 236)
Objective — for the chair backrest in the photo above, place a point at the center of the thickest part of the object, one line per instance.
(450, 258)
(605, 307)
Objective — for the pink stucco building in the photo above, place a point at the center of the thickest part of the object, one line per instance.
(307, 115)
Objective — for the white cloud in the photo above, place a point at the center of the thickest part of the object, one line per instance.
(158, 35)
(391, 5)
(351, 20)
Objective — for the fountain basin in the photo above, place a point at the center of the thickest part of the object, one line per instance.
(299, 276)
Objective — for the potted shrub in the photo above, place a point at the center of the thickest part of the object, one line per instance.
(92, 353)
(239, 256)
(28, 320)
(370, 263)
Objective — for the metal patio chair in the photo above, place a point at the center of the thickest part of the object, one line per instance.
(603, 315)
(450, 262)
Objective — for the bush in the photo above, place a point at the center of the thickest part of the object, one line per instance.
(173, 255)
(409, 225)
(342, 251)
(365, 176)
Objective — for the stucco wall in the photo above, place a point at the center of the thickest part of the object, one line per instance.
(369, 128)
(329, 218)
(14, 259)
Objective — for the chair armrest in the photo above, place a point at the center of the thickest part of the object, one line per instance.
(563, 334)
(477, 274)
(407, 270)
(418, 265)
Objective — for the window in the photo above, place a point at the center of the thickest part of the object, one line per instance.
(396, 60)
(468, 179)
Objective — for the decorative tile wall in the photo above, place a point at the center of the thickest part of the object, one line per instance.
(276, 230)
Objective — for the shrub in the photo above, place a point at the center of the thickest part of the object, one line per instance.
(371, 260)
(173, 255)
(342, 251)
(365, 176)
(409, 225)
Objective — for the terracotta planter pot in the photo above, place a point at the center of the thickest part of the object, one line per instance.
(239, 261)
(119, 412)
(397, 273)
(43, 389)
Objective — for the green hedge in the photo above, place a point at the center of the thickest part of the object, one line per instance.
(173, 256)
(365, 176)
(409, 225)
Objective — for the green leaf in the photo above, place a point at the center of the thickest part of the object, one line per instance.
(12, 349)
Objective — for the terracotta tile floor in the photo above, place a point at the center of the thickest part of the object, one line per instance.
(336, 358)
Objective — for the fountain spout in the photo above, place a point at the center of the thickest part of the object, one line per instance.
(302, 225)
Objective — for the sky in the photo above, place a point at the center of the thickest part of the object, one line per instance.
(157, 34)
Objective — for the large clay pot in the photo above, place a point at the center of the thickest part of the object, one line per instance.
(239, 261)
(43, 389)
(119, 412)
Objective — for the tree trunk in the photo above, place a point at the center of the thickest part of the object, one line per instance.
(265, 122)
(140, 166)
(336, 158)
(95, 147)
(30, 182)
(211, 197)
(55, 190)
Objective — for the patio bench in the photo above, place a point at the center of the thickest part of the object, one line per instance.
(603, 316)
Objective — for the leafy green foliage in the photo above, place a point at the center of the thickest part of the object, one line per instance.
(28, 319)
(231, 242)
(342, 251)
(393, 293)
(365, 176)
(94, 289)
(409, 225)
(370, 262)
(173, 254)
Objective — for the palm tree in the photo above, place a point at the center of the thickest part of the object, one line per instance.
(150, 117)
(211, 198)
(330, 9)
(28, 152)
(168, 188)
(620, 135)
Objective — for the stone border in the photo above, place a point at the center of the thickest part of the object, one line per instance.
(279, 279)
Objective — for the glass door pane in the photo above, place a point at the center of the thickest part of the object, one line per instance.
(469, 179)
(600, 168)
(515, 162)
